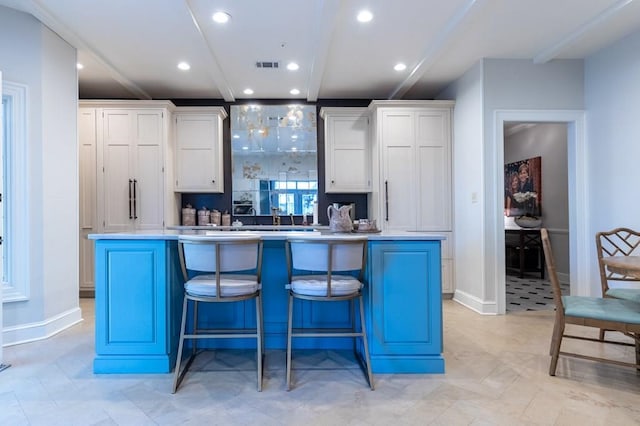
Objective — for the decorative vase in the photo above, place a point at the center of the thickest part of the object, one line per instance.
(526, 221)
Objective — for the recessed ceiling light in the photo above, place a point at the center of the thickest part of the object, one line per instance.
(294, 91)
(184, 66)
(364, 16)
(292, 66)
(247, 91)
(245, 148)
(400, 67)
(221, 17)
(236, 136)
(79, 66)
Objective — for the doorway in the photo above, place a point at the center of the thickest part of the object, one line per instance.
(576, 196)
(535, 157)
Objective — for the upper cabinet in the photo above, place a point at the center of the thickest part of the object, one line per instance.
(199, 162)
(347, 148)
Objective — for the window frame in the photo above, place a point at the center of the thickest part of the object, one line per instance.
(15, 277)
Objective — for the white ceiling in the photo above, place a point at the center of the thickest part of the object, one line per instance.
(130, 48)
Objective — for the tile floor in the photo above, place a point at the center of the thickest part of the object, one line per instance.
(529, 293)
(496, 374)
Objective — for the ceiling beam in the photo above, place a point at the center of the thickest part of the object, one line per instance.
(218, 77)
(40, 12)
(554, 50)
(434, 48)
(321, 39)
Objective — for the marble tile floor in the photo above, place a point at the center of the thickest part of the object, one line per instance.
(530, 293)
(496, 374)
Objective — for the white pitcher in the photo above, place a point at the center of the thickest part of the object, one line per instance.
(339, 219)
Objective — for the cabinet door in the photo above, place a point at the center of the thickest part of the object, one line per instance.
(148, 178)
(398, 158)
(131, 275)
(118, 170)
(405, 301)
(199, 165)
(347, 153)
(87, 137)
(433, 171)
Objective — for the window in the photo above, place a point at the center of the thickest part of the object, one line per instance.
(15, 204)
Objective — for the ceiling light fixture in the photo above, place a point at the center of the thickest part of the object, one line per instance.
(79, 66)
(247, 91)
(292, 66)
(400, 67)
(364, 16)
(294, 91)
(184, 66)
(221, 17)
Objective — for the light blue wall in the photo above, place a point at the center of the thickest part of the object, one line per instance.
(467, 157)
(612, 98)
(492, 85)
(33, 55)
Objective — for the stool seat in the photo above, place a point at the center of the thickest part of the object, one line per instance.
(316, 285)
(230, 285)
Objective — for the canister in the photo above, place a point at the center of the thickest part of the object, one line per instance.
(215, 217)
(188, 216)
(226, 219)
(203, 216)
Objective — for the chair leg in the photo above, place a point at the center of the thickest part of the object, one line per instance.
(601, 335)
(365, 343)
(556, 341)
(259, 340)
(289, 330)
(176, 375)
(637, 337)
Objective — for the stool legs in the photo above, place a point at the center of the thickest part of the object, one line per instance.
(289, 330)
(259, 341)
(364, 363)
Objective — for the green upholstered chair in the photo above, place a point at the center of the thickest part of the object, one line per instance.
(597, 312)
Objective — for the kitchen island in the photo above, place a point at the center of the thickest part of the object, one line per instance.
(139, 290)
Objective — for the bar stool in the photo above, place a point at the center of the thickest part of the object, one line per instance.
(321, 269)
(226, 270)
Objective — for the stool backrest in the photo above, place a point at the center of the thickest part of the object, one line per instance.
(216, 254)
(327, 254)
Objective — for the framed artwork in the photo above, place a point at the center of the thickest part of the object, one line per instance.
(523, 188)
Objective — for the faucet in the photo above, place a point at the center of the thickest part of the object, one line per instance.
(274, 215)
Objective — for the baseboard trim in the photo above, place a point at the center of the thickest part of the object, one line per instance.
(41, 330)
(475, 304)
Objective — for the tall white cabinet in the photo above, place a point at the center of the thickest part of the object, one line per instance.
(199, 163)
(347, 148)
(124, 171)
(412, 163)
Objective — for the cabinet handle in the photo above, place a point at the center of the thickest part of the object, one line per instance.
(135, 200)
(386, 200)
(130, 199)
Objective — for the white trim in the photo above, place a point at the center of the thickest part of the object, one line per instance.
(475, 303)
(41, 330)
(16, 288)
(578, 234)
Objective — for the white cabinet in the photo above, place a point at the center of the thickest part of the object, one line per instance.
(347, 148)
(132, 169)
(412, 189)
(199, 162)
(87, 143)
(123, 174)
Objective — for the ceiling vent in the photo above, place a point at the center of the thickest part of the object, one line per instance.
(267, 64)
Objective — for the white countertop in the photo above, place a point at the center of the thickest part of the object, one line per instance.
(173, 234)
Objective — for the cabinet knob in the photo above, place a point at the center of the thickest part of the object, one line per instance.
(213, 181)
(333, 181)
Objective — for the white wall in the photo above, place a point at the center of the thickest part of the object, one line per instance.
(612, 99)
(498, 84)
(468, 174)
(33, 55)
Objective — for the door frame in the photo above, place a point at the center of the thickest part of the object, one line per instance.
(577, 179)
